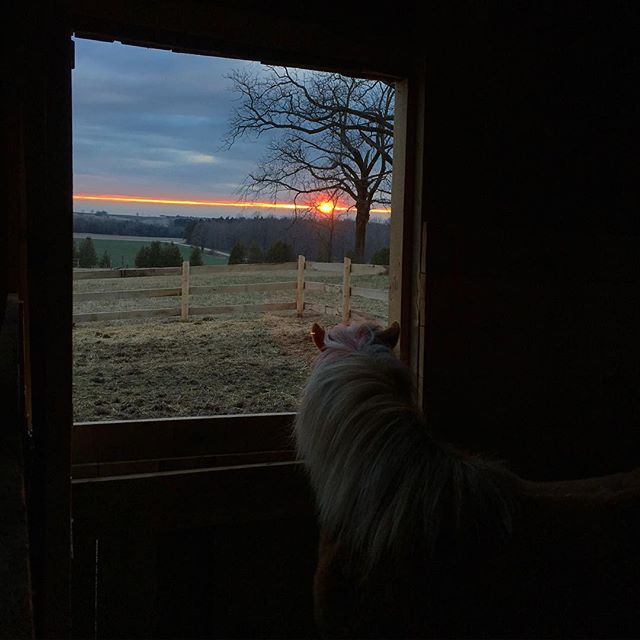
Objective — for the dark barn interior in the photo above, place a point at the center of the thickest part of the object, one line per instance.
(517, 272)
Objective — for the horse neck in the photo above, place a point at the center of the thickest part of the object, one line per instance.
(382, 483)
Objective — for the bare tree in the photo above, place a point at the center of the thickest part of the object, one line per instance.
(335, 136)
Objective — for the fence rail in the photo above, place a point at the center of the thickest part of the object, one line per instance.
(186, 290)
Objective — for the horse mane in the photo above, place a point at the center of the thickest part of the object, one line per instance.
(384, 486)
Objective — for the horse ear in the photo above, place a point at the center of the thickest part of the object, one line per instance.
(317, 333)
(389, 336)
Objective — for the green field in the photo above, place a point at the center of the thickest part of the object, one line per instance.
(123, 252)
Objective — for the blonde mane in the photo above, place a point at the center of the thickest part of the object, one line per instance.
(383, 485)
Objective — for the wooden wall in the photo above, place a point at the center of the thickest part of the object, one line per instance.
(533, 267)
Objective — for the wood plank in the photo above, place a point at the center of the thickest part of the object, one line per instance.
(242, 268)
(127, 583)
(184, 300)
(243, 288)
(243, 308)
(324, 309)
(99, 274)
(362, 316)
(314, 286)
(156, 502)
(96, 274)
(300, 287)
(346, 289)
(83, 587)
(137, 467)
(369, 270)
(125, 315)
(356, 269)
(372, 294)
(126, 294)
(326, 267)
(161, 438)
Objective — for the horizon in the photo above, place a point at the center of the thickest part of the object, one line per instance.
(148, 130)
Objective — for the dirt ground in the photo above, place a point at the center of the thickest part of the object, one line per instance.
(153, 368)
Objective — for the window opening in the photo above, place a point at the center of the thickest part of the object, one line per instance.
(220, 208)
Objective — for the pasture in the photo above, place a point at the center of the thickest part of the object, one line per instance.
(210, 365)
(123, 251)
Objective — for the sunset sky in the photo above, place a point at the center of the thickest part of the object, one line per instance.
(151, 122)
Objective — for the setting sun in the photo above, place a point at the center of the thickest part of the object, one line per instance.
(326, 206)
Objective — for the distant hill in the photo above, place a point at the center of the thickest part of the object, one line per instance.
(307, 236)
(129, 225)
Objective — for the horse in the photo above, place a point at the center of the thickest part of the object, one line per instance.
(419, 539)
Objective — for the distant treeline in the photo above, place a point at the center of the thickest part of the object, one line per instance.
(102, 222)
(308, 237)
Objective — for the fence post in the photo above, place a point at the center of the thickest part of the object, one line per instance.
(300, 287)
(184, 315)
(346, 290)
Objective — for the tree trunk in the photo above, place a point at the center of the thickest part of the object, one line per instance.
(362, 217)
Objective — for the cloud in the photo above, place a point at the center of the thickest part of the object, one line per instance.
(148, 119)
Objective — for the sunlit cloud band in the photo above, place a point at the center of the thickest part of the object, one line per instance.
(207, 203)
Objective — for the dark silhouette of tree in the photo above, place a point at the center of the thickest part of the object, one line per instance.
(195, 259)
(381, 257)
(280, 252)
(238, 254)
(255, 254)
(159, 254)
(332, 134)
(105, 261)
(87, 256)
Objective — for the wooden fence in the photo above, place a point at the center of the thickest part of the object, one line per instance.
(186, 290)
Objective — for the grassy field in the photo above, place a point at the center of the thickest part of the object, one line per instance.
(123, 252)
(243, 363)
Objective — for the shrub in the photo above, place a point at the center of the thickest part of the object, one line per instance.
(105, 261)
(159, 254)
(237, 255)
(381, 257)
(87, 256)
(195, 259)
(255, 254)
(279, 252)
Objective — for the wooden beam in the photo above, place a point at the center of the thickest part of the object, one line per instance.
(99, 274)
(242, 268)
(163, 438)
(244, 288)
(371, 294)
(157, 502)
(300, 287)
(137, 467)
(243, 308)
(184, 302)
(322, 308)
(346, 289)
(126, 294)
(99, 316)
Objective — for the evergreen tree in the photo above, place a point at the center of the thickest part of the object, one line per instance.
(105, 261)
(75, 254)
(255, 255)
(170, 256)
(279, 252)
(195, 259)
(237, 255)
(159, 254)
(87, 256)
(381, 256)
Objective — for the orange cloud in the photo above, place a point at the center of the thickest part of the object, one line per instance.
(201, 203)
